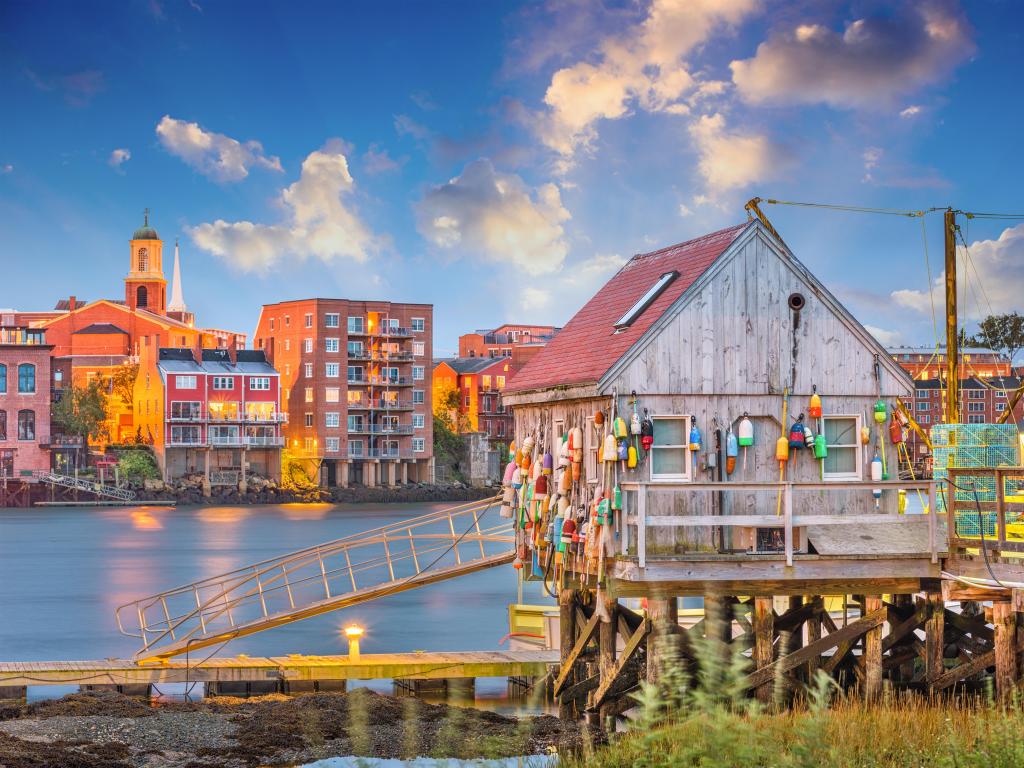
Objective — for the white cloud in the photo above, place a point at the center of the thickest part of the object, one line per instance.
(377, 161)
(998, 266)
(870, 64)
(319, 222)
(730, 159)
(533, 299)
(406, 126)
(886, 337)
(213, 154)
(642, 67)
(912, 111)
(871, 157)
(496, 217)
(685, 210)
(7, 168)
(119, 157)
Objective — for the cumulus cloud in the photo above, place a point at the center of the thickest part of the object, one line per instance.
(730, 159)
(119, 157)
(871, 63)
(685, 210)
(319, 222)
(377, 161)
(496, 217)
(998, 267)
(886, 337)
(642, 67)
(215, 155)
(912, 111)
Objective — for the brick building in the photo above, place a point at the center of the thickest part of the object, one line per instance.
(24, 402)
(479, 382)
(210, 411)
(355, 387)
(927, 363)
(507, 340)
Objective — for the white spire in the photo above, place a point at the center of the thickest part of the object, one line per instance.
(177, 300)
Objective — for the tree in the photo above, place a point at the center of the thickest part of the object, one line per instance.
(449, 448)
(138, 465)
(122, 383)
(82, 411)
(1003, 333)
(448, 408)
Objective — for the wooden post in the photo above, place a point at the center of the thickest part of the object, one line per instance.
(905, 673)
(952, 332)
(661, 644)
(873, 653)
(566, 638)
(814, 635)
(934, 636)
(764, 638)
(608, 638)
(1004, 619)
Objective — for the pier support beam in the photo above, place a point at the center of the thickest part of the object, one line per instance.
(934, 639)
(663, 613)
(764, 642)
(1004, 620)
(566, 640)
(873, 652)
(608, 639)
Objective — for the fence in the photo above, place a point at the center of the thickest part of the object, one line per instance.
(987, 507)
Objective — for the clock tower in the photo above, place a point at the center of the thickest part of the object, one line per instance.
(145, 286)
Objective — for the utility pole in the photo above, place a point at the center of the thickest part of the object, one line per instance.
(952, 338)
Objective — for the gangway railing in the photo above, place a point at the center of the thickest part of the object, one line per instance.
(80, 484)
(423, 550)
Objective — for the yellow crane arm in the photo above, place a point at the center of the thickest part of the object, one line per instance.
(918, 429)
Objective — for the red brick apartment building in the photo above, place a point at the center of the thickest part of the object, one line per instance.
(510, 340)
(24, 402)
(927, 363)
(355, 385)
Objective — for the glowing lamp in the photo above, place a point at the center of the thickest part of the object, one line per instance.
(352, 634)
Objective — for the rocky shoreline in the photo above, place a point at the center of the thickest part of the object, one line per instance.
(88, 730)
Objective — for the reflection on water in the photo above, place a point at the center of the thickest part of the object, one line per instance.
(64, 570)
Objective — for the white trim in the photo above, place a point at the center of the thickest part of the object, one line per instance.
(858, 423)
(687, 475)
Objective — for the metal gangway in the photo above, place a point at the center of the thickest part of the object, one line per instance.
(79, 484)
(422, 550)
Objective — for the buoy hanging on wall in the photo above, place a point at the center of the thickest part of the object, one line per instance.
(731, 451)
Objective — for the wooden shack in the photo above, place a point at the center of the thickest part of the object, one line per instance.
(725, 330)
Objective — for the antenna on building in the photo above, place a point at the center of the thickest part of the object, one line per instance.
(177, 299)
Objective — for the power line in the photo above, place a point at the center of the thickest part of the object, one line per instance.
(855, 208)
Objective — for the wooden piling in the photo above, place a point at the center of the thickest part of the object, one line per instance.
(1004, 620)
(664, 615)
(608, 638)
(873, 653)
(566, 638)
(814, 635)
(934, 640)
(764, 639)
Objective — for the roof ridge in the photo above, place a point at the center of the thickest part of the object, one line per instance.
(687, 243)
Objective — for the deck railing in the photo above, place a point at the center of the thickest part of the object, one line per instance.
(995, 519)
(786, 519)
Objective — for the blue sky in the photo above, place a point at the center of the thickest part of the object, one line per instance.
(501, 160)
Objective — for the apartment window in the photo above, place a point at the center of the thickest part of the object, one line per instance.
(500, 381)
(417, 397)
(418, 372)
(287, 345)
(185, 435)
(355, 423)
(26, 425)
(223, 382)
(309, 419)
(355, 348)
(332, 419)
(976, 407)
(3, 425)
(331, 370)
(308, 444)
(355, 448)
(976, 418)
(287, 370)
(844, 450)
(332, 395)
(271, 323)
(308, 370)
(419, 445)
(922, 405)
(419, 348)
(355, 397)
(332, 444)
(259, 383)
(417, 421)
(185, 382)
(487, 426)
(670, 453)
(389, 424)
(485, 381)
(224, 435)
(975, 394)
(1000, 407)
(287, 320)
(26, 378)
(355, 373)
(501, 429)
(926, 419)
(418, 324)
(184, 409)
(467, 401)
(308, 319)
(331, 319)
(1000, 394)
(307, 346)
(331, 345)
(356, 325)
(3, 378)
(309, 394)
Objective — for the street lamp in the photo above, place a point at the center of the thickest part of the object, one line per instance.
(352, 634)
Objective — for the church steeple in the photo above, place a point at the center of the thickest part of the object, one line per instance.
(177, 297)
(145, 286)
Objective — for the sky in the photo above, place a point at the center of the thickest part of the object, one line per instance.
(502, 160)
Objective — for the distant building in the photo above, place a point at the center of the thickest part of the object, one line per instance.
(509, 340)
(478, 382)
(24, 402)
(930, 363)
(210, 411)
(355, 387)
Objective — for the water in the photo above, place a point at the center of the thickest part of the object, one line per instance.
(63, 571)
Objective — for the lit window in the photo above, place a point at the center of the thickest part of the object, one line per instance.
(670, 453)
(287, 345)
(185, 382)
(844, 449)
(485, 381)
(355, 397)
(331, 320)
(308, 444)
(332, 395)
(419, 348)
(646, 300)
(309, 394)
(500, 381)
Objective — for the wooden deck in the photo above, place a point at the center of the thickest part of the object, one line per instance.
(412, 666)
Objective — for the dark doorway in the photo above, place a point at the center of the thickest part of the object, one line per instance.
(331, 468)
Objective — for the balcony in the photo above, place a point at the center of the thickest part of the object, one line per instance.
(378, 453)
(380, 429)
(264, 442)
(380, 381)
(380, 356)
(381, 405)
(391, 332)
(190, 442)
(198, 417)
(227, 441)
(189, 418)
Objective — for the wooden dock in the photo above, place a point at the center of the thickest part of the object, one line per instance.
(293, 668)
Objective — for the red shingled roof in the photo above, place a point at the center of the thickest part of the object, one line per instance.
(588, 346)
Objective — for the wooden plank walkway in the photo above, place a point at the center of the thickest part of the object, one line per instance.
(383, 666)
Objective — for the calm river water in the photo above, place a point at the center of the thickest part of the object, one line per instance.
(63, 570)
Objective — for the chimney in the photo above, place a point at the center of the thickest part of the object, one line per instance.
(72, 304)
(233, 349)
(197, 348)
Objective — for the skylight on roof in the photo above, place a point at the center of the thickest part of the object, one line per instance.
(645, 301)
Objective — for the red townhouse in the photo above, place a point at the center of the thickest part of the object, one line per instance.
(24, 402)
(211, 411)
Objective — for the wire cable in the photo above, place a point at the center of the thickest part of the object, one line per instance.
(981, 528)
(854, 208)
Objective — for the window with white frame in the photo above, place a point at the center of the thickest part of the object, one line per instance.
(355, 447)
(331, 370)
(356, 324)
(417, 421)
(185, 409)
(332, 419)
(976, 407)
(332, 395)
(309, 419)
(308, 444)
(419, 348)
(419, 445)
(355, 348)
(331, 320)
(185, 382)
(1000, 407)
(332, 444)
(418, 372)
(308, 370)
(926, 419)
(355, 423)
(975, 394)
(223, 382)
(417, 397)
(1001, 394)
(309, 394)
(922, 405)
(331, 344)
(259, 383)
(976, 418)
(418, 324)
(559, 430)
(308, 319)
(845, 453)
(307, 345)
(670, 452)
(355, 373)
(287, 345)
(287, 320)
